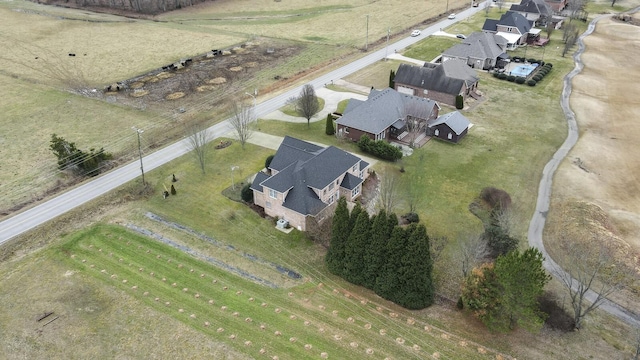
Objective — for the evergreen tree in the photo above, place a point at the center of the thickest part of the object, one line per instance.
(354, 265)
(522, 279)
(329, 129)
(459, 102)
(339, 235)
(392, 76)
(387, 284)
(417, 291)
(354, 216)
(374, 249)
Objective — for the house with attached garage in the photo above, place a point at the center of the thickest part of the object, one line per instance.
(304, 182)
(512, 26)
(440, 82)
(387, 115)
(451, 127)
(480, 50)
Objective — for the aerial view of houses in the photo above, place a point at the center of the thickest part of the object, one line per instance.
(253, 179)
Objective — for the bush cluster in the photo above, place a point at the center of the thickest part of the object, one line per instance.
(379, 148)
(542, 70)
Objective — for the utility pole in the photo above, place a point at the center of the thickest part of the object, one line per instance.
(447, 9)
(387, 46)
(366, 44)
(140, 131)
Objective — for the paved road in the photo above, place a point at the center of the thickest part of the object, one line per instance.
(90, 190)
(536, 226)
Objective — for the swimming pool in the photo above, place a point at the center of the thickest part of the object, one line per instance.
(523, 70)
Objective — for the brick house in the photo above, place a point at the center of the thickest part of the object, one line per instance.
(386, 115)
(304, 182)
(537, 11)
(480, 50)
(440, 82)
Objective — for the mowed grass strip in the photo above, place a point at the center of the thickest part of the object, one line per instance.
(125, 260)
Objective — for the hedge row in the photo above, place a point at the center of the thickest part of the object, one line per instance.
(543, 70)
(379, 148)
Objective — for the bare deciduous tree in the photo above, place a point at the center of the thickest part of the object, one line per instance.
(389, 188)
(589, 269)
(470, 251)
(500, 4)
(198, 137)
(416, 114)
(241, 117)
(307, 103)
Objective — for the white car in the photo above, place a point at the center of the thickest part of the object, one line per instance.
(415, 33)
(452, 16)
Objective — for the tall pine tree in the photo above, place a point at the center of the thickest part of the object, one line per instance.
(374, 249)
(387, 284)
(417, 290)
(339, 235)
(354, 264)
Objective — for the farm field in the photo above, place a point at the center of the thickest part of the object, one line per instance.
(506, 148)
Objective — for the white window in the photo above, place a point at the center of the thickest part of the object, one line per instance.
(331, 199)
(355, 191)
(449, 136)
(268, 205)
(273, 194)
(331, 186)
(355, 168)
(437, 132)
(361, 174)
(346, 130)
(425, 91)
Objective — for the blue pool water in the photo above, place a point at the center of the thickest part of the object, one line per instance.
(523, 70)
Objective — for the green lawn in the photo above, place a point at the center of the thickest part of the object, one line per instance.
(430, 48)
(290, 109)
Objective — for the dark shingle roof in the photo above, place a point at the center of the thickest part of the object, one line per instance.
(292, 149)
(260, 177)
(447, 77)
(478, 45)
(350, 182)
(316, 167)
(383, 108)
(455, 120)
(509, 18)
(532, 7)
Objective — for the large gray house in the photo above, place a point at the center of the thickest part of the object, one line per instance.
(440, 82)
(480, 50)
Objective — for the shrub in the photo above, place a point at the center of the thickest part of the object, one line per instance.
(497, 199)
(459, 102)
(532, 82)
(549, 64)
(520, 80)
(502, 76)
(511, 78)
(537, 77)
(379, 148)
(541, 62)
(247, 194)
(516, 58)
(496, 74)
(173, 190)
(411, 217)
(532, 60)
(267, 162)
(329, 129)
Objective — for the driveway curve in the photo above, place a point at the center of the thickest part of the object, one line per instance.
(536, 226)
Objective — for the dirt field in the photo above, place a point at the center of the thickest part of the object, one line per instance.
(601, 177)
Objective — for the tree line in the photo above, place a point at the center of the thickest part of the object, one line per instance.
(381, 255)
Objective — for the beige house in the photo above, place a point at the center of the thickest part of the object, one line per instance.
(304, 182)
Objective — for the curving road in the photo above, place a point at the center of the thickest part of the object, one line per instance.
(536, 226)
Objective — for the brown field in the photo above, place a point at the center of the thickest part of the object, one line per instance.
(599, 182)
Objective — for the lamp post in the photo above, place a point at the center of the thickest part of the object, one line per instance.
(140, 131)
(233, 184)
(255, 93)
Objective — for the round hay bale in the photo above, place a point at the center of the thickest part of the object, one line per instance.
(175, 95)
(369, 351)
(238, 49)
(251, 64)
(400, 340)
(139, 93)
(137, 85)
(161, 76)
(236, 68)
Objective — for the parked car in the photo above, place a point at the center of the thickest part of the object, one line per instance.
(452, 16)
(460, 36)
(415, 33)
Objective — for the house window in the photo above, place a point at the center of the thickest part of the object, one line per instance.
(425, 91)
(355, 191)
(355, 167)
(449, 136)
(331, 199)
(273, 194)
(346, 130)
(331, 186)
(437, 132)
(361, 174)
(268, 205)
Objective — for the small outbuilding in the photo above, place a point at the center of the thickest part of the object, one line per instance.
(451, 127)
